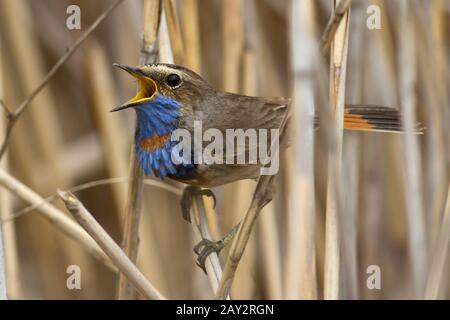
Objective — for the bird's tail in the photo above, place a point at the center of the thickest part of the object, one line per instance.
(374, 118)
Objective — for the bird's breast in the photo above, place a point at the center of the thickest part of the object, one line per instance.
(153, 142)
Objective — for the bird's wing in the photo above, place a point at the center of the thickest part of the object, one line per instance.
(249, 114)
(245, 112)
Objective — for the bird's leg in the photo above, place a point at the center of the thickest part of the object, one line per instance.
(205, 247)
(187, 196)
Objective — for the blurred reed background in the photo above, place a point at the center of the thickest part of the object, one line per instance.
(344, 202)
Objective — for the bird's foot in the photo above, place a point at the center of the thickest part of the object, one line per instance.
(205, 247)
(186, 199)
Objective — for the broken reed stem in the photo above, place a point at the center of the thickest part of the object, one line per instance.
(14, 115)
(436, 270)
(332, 25)
(112, 250)
(338, 61)
(55, 217)
(130, 242)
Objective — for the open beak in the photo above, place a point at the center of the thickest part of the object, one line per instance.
(147, 87)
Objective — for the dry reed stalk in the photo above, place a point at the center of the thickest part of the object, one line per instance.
(54, 38)
(236, 34)
(267, 236)
(381, 175)
(412, 184)
(263, 192)
(300, 280)
(232, 38)
(173, 25)
(130, 241)
(262, 195)
(269, 243)
(201, 231)
(338, 61)
(268, 56)
(434, 82)
(241, 193)
(192, 59)
(48, 132)
(93, 184)
(2, 269)
(54, 216)
(333, 24)
(199, 216)
(232, 41)
(110, 128)
(351, 156)
(191, 34)
(15, 114)
(5, 203)
(82, 157)
(8, 231)
(112, 250)
(435, 281)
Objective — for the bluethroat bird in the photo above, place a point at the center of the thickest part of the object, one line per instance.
(172, 97)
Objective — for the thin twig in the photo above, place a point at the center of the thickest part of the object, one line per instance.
(333, 24)
(14, 115)
(88, 185)
(54, 216)
(112, 250)
(5, 108)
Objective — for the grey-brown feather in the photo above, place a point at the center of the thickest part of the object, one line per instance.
(220, 110)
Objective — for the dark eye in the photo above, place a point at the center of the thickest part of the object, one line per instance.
(173, 80)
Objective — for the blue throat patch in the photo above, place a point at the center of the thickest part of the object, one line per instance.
(156, 121)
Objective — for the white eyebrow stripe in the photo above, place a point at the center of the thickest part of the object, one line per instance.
(167, 70)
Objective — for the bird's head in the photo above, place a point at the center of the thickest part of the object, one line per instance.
(167, 95)
(164, 81)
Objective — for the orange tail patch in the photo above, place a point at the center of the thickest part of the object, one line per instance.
(374, 118)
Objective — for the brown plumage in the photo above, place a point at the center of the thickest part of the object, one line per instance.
(223, 110)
